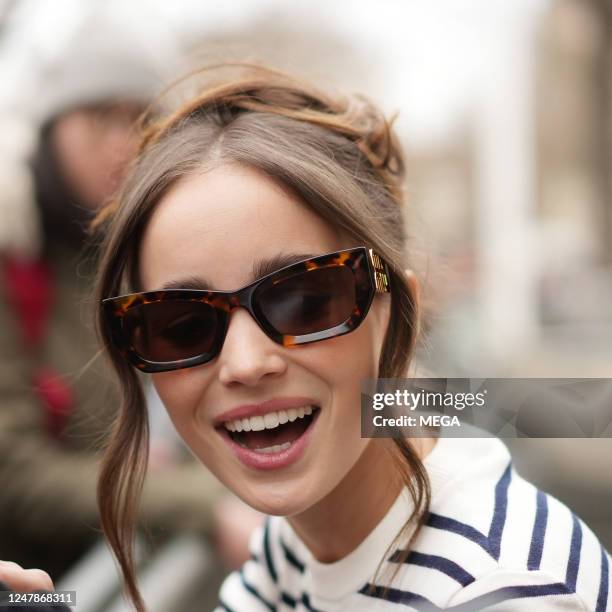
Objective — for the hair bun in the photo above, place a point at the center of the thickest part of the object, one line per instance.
(230, 89)
(377, 140)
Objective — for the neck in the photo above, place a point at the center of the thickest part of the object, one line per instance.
(337, 524)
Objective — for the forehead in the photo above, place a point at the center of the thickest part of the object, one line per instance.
(221, 223)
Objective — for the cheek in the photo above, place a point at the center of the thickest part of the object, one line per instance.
(342, 363)
(181, 393)
(349, 358)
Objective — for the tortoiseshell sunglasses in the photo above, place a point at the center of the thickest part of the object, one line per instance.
(309, 301)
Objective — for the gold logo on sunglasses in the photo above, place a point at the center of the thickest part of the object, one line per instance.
(380, 272)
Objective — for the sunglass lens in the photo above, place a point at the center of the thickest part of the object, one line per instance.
(310, 301)
(171, 330)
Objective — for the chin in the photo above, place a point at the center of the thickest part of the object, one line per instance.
(278, 500)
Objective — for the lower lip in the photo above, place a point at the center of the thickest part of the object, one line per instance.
(272, 461)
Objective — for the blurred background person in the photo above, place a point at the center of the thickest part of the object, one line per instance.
(64, 150)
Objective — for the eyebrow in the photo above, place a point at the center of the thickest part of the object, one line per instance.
(260, 268)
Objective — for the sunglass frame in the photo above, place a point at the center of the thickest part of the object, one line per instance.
(371, 276)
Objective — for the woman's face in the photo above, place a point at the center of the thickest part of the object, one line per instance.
(219, 226)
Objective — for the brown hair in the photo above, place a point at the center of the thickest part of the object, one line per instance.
(338, 153)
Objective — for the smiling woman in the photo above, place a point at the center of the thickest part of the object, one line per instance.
(249, 245)
(253, 264)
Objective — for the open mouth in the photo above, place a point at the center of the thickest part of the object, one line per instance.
(273, 432)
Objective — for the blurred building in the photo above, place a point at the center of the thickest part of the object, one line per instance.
(567, 225)
(564, 224)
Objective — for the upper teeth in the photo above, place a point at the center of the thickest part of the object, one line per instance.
(269, 420)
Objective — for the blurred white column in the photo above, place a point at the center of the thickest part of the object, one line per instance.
(506, 197)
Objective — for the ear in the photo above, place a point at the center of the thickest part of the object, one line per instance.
(415, 287)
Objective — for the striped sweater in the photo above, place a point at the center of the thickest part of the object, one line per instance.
(492, 541)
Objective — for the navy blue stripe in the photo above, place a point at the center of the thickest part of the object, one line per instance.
(442, 564)
(287, 599)
(499, 514)
(539, 532)
(512, 592)
(478, 603)
(467, 531)
(491, 543)
(253, 591)
(225, 607)
(602, 597)
(291, 558)
(306, 603)
(398, 596)
(573, 562)
(292, 602)
(268, 552)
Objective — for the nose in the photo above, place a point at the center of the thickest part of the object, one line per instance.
(248, 355)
